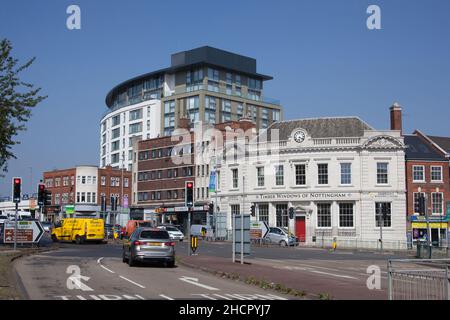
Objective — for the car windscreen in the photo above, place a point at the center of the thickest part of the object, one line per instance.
(172, 229)
(145, 224)
(149, 234)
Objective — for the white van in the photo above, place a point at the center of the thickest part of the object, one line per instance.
(21, 215)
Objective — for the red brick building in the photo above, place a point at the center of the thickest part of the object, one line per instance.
(427, 174)
(83, 188)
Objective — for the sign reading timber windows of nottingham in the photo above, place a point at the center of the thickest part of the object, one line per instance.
(306, 195)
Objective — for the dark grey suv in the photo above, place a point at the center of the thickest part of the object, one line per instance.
(149, 245)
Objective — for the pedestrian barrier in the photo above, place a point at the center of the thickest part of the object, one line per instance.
(418, 279)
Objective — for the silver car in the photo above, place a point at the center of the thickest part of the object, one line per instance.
(280, 236)
(149, 244)
(174, 233)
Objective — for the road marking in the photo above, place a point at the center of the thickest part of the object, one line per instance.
(334, 275)
(195, 282)
(166, 297)
(135, 283)
(99, 263)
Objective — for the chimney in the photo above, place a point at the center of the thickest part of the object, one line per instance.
(396, 117)
(184, 123)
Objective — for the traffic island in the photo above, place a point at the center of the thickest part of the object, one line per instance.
(9, 282)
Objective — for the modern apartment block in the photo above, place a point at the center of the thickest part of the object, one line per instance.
(83, 187)
(204, 84)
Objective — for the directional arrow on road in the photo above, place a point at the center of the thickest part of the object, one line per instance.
(195, 282)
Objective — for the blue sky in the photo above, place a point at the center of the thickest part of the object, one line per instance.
(324, 60)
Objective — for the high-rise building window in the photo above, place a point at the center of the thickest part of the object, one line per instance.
(135, 128)
(169, 117)
(264, 118)
(135, 114)
(210, 109)
(226, 110)
(115, 158)
(192, 106)
(239, 110)
(116, 120)
(115, 133)
(115, 145)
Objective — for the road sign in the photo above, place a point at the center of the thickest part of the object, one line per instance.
(259, 229)
(27, 232)
(239, 240)
(194, 243)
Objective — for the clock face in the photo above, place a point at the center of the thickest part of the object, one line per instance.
(299, 136)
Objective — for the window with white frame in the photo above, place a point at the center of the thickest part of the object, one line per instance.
(263, 212)
(57, 199)
(324, 215)
(235, 178)
(279, 175)
(382, 173)
(418, 173)
(125, 182)
(437, 202)
(260, 176)
(281, 211)
(436, 173)
(346, 217)
(300, 174)
(322, 170)
(235, 209)
(346, 173)
(65, 181)
(103, 181)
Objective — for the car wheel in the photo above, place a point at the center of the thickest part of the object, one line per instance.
(170, 264)
(131, 261)
(283, 243)
(78, 240)
(54, 238)
(124, 259)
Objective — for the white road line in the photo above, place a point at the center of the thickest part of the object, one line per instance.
(166, 297)
(195, 282)
(99, 263)
(135, 283)
(333, 274)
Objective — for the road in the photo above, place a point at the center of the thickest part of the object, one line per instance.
(105, 277)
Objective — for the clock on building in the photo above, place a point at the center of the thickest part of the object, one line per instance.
(299, 136)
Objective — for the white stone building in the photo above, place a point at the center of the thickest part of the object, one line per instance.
(338, 174)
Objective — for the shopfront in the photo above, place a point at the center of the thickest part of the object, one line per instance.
(438, 227)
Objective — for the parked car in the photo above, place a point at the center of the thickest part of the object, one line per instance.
(149, 244)
(174, 233)
(280, 236)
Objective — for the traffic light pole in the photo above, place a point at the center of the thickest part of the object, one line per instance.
(15, 227)
(189, 231)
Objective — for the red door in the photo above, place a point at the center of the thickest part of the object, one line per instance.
(300, 229)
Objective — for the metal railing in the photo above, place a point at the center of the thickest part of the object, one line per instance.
(418, 279)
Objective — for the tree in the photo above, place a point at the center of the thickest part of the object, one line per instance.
(16, 100)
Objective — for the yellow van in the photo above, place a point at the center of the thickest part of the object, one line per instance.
(79, 230)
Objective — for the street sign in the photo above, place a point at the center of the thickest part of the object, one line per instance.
(27, 232)
(259, 229)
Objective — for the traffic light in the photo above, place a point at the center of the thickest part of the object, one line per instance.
(253, 210)
(47, 198)
(422, 204)
(291, 213)
(41, 194)
(113, 203)
(17, 192)
(211, 208)
(103, 204)
(189, 194)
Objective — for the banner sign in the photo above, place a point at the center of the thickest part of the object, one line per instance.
(212, 182)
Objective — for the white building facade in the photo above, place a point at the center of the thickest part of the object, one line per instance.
(118, 127)
(344, 180)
